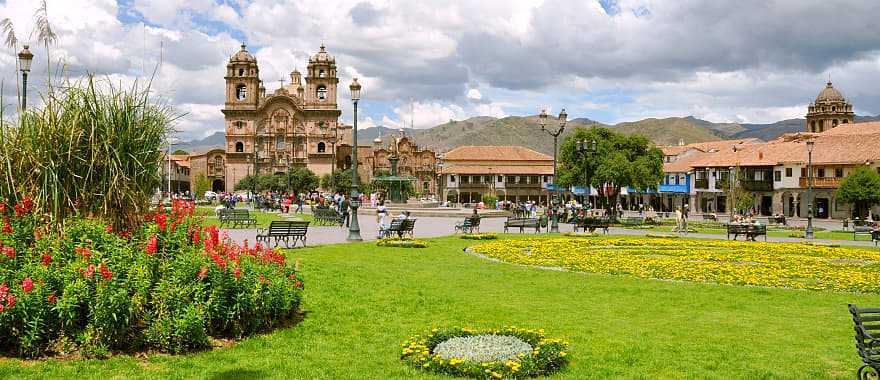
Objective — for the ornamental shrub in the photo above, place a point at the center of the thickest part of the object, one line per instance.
(169, 286)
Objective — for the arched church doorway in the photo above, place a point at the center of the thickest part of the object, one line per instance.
(217, 186)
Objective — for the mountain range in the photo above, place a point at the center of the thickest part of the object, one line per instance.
(525, 131)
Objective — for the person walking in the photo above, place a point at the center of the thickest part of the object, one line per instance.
(343, 210)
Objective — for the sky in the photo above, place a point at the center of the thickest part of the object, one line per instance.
(432, 61)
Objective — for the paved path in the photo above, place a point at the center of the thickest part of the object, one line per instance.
(442, 226)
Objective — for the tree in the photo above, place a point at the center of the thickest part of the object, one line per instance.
(861, 188)
(340, 181)
(248, 183)
(180, 152)
(619, 160)
(301, 180)
(201, 185)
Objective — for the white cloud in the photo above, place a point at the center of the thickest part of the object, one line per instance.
(474, 94)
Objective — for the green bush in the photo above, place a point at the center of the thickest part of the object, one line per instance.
(168, 287)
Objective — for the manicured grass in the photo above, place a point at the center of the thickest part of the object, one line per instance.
(362, 301)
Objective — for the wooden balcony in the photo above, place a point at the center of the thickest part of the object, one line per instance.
(821, 182)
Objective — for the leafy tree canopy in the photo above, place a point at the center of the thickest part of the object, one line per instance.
(617, 161)
(862, 188)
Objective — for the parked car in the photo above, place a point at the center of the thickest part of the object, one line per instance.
(210, 195)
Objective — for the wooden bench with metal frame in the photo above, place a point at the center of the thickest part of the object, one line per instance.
(748, 229)
(326, 216)
(236, 217)
(867, 327)
(522, 224)
(284, 230)
(592, 224)
(470, 225)
(399, 227)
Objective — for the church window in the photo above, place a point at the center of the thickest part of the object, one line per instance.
(322, 74)
(239, 147)
(834, 123)
(845, 121)
(241, 92)
(322, 147)
(239, 124)
(241, 72)
(833, 109)
(322, 93)
(279, 142)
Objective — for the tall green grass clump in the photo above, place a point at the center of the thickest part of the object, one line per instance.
(93, 149)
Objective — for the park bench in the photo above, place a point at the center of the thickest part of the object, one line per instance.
(522, 224)
(777, 219)
(863, 230)
(748, 229)
(325, 216)
(470, 225)
(592, 224)
(399, 227)
(236, 217)
(867, 328)
(284, 230)
(710, 217)
(632, 221)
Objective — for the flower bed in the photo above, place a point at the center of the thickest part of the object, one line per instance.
(401, 242)
(486, 354)
(790, 265)
(170, 286)
(480, 236)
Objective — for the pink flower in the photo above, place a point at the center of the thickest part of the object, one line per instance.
(152, 245)
(108, 229)
(27, 285)
(90, 271)
(237, 272)
(9, 252)
(85, 252)
(10, 300)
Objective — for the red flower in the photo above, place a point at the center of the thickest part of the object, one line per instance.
(162, 221)
(108, 229)
(28, 204)
(10, 300)
(2, 208)
(19, 211)
(7, 228)
(203, 273)
(47, 259)
(9, 252)
(152, 245)
(105, 272)
(90, 271)
(51, 298)
(27, 285)
(298, 284)
(4, 289)
(292, 277)
(237, 272)
(83, 251)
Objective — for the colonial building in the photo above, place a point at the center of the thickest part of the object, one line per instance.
(296, 125)
(776, 173)
(511, 173)
(413, 161)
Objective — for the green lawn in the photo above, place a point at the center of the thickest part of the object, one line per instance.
(362, 301)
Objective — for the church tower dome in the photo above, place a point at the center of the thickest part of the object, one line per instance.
(829, 110)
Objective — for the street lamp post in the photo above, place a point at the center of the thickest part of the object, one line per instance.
(24, 60)
(554, 224)
(809, 232)
(354, 230)
(585, 147)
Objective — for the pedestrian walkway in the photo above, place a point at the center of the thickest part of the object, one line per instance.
(428, 227)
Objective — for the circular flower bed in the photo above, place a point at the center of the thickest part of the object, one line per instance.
(480, 236)
(486, 354)
(401, 242)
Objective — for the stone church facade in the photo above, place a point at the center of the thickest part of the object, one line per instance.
(295, 126)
